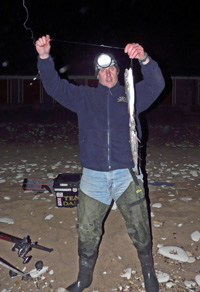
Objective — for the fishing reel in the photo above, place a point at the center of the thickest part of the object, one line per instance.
(23, 247)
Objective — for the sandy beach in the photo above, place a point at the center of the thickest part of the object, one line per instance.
(43, 149)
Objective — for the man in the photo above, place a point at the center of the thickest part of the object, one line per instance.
(105, 154)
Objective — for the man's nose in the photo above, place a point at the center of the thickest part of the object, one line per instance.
(108, 72)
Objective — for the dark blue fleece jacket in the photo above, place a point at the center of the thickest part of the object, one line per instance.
(103, 117)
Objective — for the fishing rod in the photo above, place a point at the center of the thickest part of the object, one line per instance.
(87, 44)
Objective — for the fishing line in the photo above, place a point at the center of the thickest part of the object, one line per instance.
(63, 41)
(131, 64)
(32, 37)
(27, 17)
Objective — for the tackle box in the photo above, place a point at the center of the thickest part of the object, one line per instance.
(66, 186)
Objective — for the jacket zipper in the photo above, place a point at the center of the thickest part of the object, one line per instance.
(108, 128)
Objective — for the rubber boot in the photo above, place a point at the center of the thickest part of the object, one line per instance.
(91, 215)
(150, 279)
(86, 268)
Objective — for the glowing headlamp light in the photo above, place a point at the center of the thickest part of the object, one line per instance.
(104, 61)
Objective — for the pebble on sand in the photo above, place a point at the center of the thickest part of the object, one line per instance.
(6, 220)
(174, 252)
(6, 198)
(157, 205)
(162, 277)
(36, 273)
(195, 236)
(49, 217)
(127, 273)
(190, 284)
(197, 279)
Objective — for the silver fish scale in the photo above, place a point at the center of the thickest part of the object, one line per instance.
(130, 93)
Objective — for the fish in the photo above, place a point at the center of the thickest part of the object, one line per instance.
(130, 94)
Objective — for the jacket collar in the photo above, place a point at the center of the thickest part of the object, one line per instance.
(112, 89)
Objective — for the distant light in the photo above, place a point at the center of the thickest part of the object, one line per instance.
(64, 69)
(5, 64)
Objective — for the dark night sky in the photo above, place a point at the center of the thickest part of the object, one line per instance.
(168, 30)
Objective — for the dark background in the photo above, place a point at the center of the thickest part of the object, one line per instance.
(168, 30)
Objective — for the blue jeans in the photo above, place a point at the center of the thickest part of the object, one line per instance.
(105, 186)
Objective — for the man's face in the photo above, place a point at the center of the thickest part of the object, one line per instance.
(108, 76)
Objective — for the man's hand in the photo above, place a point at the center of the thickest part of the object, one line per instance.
(135, 51)
(43, 46)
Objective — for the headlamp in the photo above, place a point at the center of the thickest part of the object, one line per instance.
(104, 61)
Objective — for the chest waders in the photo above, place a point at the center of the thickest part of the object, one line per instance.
(91, 214)
(133, 206)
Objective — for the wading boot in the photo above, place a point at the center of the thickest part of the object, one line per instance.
(150, 279)
(86, 268)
